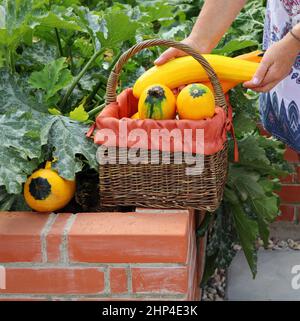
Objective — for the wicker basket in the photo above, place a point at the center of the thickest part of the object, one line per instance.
(164, 185)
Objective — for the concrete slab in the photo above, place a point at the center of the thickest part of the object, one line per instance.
(278, 277)
(285, 230)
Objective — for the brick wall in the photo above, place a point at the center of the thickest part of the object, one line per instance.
(290, 192)
(145, 255)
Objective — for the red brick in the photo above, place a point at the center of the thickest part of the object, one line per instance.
(129, 238)
(160, 280)
(20, 236)
(288, 179)
(54, 281)
(290, 194)
(287, 213)
(23, 299)
(297, 176)
(297, 215)
(55, 237)
(291, 156)
(118, 281)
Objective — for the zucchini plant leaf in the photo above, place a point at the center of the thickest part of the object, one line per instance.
(20, 149)
(247, 231)
(54, 77)
(52, 20)
(6, 200)
(119, 28)
(13, 94)
(266, 210)
(79, 114)
(92, 24)
(38, 55)
(234, 45)
(66, 138)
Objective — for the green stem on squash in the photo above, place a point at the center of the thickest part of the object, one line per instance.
(79, 76)
(58, 42)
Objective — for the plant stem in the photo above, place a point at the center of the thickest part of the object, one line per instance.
(11, 60)
(58, 42)
(92, 95)
(103, 79)
(98, 98)
(79, 76)
(96, 110)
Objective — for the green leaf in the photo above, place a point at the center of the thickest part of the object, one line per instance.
(54, 111)
(234, 45)
(20, 149)
(251, 151)
(12, 94)
(52, 20)
(157, 10)
(79, 114)
(14, 23)
(37, 56)
(244, 123)
(54, 77)
(266, 210)
(247, 231)
(12, 202)
(245, 183)
(84, 47)
(119, 29)
(68, 141)
(6, 200)
(92, 23)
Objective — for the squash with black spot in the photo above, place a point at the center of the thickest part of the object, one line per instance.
(46, 191)
(157, 102)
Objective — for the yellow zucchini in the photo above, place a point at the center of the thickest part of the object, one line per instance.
(187, 70)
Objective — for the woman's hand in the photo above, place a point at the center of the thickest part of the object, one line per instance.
(172, 53)
(275, 65)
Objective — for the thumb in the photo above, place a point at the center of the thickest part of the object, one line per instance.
(258, 76)
(167, 55)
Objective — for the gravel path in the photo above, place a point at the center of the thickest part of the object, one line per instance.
(216, 285)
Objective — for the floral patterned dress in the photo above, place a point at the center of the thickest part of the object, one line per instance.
(280, 108)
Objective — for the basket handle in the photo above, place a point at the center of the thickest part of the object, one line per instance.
(111, 95)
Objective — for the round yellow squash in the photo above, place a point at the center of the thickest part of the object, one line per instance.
(195, 102)
(46, 191)
(135, 116)
(157, 102)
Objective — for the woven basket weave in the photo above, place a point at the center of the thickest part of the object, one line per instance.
(163, 185)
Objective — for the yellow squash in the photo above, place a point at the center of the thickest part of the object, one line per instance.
(46, 191)
(254, 56)
(186, 70)
(135, 116)
(195, 102)
(157, 102)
